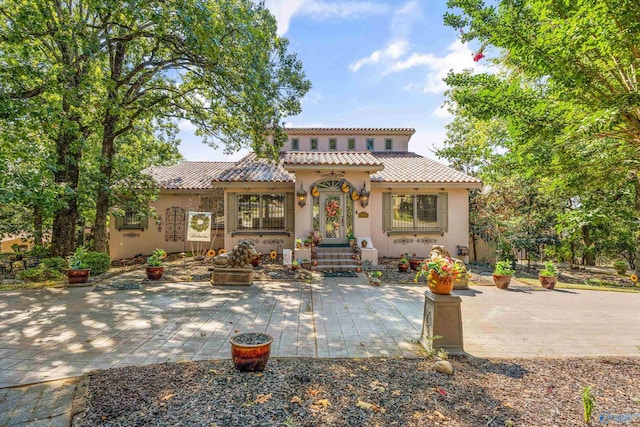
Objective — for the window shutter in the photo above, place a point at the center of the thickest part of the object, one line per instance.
(290, 205)
(386, 211)
(443, 212)
(119, 222)
(231, 217)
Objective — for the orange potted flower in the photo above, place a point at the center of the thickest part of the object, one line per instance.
(440, 272)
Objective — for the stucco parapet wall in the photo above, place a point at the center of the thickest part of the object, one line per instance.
(351, 131)
(331, 160)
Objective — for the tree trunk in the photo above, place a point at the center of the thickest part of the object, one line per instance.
(37, 226)
(109, 124)
(589, 255)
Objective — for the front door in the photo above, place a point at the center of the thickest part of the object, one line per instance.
(332, 209)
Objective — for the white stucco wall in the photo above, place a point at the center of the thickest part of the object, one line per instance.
(400, 142)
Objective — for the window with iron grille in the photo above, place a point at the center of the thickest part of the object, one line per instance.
(132, 220)
(215, 205)
(314, 143)
(388, 144)
(370, 144)
(351, 142)
(261, 212)
(414, 212)
(295, 144)
(333, 144)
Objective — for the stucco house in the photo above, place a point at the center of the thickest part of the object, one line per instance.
(336, 181)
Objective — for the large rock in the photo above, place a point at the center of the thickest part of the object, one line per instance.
(444, 366)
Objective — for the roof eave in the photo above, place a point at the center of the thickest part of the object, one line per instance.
(325, 167)
(421, 185)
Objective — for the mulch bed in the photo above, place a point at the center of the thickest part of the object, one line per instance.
(366, 392)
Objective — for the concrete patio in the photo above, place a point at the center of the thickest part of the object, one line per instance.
(54, 334)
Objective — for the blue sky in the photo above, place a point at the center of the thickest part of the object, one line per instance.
(371, 64)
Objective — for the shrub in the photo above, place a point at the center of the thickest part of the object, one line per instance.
(39, 251)
(550, 270)
(40, 274)
(55, 263)
(98, 262)
(503, 268)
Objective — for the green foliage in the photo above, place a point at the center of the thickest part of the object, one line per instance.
(588, 402)
(77, 261)
(98, 262)
(40, 274)
(39, 251)
(155, 260)
(442, 354)
(55, 263)
(503, 268)
(549, 270)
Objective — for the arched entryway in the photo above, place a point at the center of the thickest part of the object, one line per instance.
(332, 210)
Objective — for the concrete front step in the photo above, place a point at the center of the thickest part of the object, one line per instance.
(333, 267)
(335, 259)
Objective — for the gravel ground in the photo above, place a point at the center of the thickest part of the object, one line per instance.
(367, 392)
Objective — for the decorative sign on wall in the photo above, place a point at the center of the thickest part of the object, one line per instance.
(403, 241)
(427, 241)
(199, 227)
(363, 215)
(131, 235)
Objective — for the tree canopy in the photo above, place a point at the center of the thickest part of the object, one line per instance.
(100, 86)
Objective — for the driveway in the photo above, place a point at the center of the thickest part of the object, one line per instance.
(59, 333)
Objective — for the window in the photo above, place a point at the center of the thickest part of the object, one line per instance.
(333, 144)
(295, 144)
(370, 142)
(314, 143)
(415, 212)
(132, 220)
(261, 212)
(351, 143)
(388, 144)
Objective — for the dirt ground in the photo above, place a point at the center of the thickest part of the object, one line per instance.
(367, 392)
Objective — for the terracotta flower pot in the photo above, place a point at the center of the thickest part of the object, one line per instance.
(256, 261)
(250, 351)
(78, 276)
(415, 263)
(440, 285)
(403, 267)
(154, 273)
(502, 282)
(548, 282)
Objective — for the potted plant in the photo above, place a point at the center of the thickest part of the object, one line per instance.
(548, 276)
(620, 267)
(314, 237)
(154, 264)
(415, 262)
(250, 351)
(307, 242)
(79, 270)
(440, 273)
(352, 238)
(294, 264)
(298, 243)
(403, 264)
(502, 274)
(305, 263)
(363, 243)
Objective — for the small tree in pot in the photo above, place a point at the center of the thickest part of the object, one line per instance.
(549, 276)
(154, 264)
(502, 274)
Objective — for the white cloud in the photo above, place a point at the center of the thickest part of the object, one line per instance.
(457, 58)
(285, 10)
(186, 126)
(394, 50)
(442, 113)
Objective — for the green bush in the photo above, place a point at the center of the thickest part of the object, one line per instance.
(98, 262)
(40, 274)
(55, 263)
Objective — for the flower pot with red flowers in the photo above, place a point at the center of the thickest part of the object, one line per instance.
(440, 273)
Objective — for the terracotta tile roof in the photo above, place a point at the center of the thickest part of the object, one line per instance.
(410, 167)
(253, 169)
(338, 158)
(187, 175)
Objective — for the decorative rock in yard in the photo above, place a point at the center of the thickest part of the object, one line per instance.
(444, 367)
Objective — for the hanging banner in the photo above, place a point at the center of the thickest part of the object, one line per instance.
(287, 256)
(199, 227)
